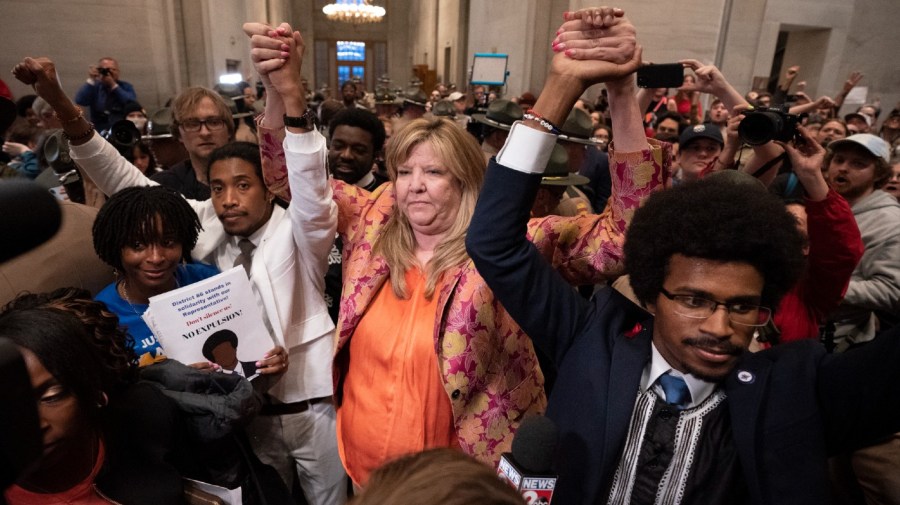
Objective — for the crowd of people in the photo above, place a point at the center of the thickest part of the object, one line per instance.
(432, 269)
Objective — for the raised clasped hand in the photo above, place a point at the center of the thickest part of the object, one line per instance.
(276, 53)
(596, 45)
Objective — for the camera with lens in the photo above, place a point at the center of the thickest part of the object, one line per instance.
(765, 124)
(123, 135)
(104, 71)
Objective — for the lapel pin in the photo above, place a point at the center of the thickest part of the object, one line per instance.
(634, 331)
(745, 377)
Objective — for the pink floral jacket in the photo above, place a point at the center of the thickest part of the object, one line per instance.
(487, 363)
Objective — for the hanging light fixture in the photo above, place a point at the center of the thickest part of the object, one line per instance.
(355, 12)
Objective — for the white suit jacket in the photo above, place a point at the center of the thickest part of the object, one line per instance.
(289, 264)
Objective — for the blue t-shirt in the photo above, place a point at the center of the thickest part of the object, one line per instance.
(130, 313)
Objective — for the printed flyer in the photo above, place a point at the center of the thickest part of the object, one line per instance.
(215, 320)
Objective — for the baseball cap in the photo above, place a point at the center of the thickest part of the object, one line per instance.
(857, 115)
(875, 145)
(456, 95)
(705, 130)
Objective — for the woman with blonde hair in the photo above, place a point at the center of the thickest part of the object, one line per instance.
(426, 356)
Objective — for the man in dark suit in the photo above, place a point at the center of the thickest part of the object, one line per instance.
(672, 408)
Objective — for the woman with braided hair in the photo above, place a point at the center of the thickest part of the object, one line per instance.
(146, 234)
(106, 436)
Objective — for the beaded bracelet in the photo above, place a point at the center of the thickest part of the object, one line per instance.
(80, 136)
(534, 116)
(76, 118)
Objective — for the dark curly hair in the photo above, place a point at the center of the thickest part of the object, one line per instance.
(76, 339)
(129, 216)
(362, 119)
(219, 337)
(717, 219)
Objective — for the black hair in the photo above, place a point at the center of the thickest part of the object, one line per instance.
(76, 339)
(143, 147)
(678, 118)
(129, 216)
(360, 118)
(23, 104)
(216, 339)
(349, 83)
(246, 151)
(719, 220)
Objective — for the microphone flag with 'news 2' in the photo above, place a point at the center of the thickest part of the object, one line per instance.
(30, 217)
(528, 467)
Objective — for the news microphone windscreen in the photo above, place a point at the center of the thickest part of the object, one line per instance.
(30, 217)
(535, 443)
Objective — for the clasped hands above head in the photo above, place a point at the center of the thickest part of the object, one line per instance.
(596, 45)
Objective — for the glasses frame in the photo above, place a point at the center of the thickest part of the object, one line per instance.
(728, 307)
(202, 123)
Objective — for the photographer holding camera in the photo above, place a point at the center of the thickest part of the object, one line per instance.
(702, 148)
(104, 94)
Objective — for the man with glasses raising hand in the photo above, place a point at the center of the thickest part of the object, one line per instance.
(202, 123)
(670, 407)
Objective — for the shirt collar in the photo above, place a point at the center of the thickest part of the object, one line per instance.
(699, 388)
(256, 237)
(367, 179)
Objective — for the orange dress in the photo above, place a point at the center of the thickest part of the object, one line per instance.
(394, 399)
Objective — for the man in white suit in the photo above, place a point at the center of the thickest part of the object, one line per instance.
(286, 260)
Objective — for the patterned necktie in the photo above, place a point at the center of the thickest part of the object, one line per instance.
(676, 390)
(245, 259)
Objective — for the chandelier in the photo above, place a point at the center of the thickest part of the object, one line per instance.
(355, 12)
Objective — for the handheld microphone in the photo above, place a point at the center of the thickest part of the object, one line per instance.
(527, 468)
(31, 216)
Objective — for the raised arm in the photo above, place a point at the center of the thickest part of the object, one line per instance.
(851, 82)
(598, 46)
(268, 52)
(711, 80)
(588, 250)
(835, 244)
(279, 56)
(102, 163)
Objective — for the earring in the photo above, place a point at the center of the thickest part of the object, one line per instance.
(755, 334)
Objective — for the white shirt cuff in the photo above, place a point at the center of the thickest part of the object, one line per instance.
(304, 143)
(526, 149)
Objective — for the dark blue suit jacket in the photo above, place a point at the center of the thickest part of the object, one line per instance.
(794, 406)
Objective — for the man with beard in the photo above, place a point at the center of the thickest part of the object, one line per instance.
(857, 168)
(670, 408)
(357, 139)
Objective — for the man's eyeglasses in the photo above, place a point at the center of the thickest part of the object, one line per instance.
(742, 313)
(194, 124)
